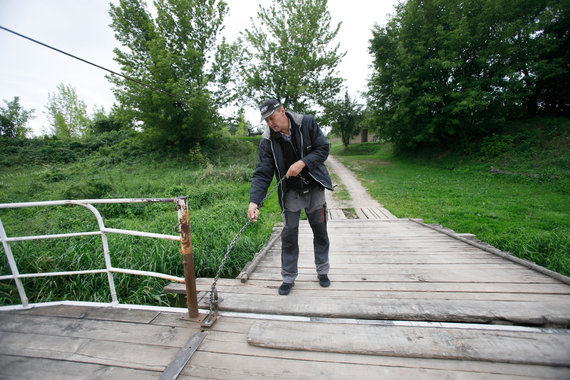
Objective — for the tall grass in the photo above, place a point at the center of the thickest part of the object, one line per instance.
(217, 187)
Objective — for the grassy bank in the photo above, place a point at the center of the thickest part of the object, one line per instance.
(216, 183)
(528, 216)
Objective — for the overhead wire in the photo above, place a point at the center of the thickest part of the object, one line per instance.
(92, 64)
(134, 80)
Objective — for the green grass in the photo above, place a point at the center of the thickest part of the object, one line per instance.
(527, 216)
(340, 193)
(217, 186)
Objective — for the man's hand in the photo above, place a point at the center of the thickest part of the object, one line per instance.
(295, 169)
(253, 211)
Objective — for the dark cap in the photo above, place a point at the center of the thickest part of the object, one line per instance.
(268, 107)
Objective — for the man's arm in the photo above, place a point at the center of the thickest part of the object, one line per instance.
(262, 177)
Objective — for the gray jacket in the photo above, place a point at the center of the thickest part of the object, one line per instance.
(311, 143)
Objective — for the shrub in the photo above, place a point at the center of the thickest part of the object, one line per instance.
(92, 189)
(496, 145)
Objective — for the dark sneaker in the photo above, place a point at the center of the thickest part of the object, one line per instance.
(324, 280)
(285, 288)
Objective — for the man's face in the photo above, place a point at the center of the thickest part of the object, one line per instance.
(278, 121)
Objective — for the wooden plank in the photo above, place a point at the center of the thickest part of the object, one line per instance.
(21, 367)
(494, 268)
(380, 249)
(138, 356)
(524, 347)
(317, 291)
(477, 311)
(225, 342)
(386, 214)
(251, 265)
(336, 214)
(230, 366)
(369, 215)
(390, 258)
(97, 313)
(360, 214)
(94, 329)
(471, 276)
(204, 284)
(345, 290)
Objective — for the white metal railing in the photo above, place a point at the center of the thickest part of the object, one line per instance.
(184, 238)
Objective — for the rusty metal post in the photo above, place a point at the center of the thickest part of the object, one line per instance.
(188, 259)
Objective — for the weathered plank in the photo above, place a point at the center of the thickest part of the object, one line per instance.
(251, 286)
(478, 311)
(94, 329)
(21, 367)
(72, 343)
(317, 291)
(336, 214)
(224, 341)
(105, 352)
(544, 347)
(97, 313)
(231, 366)
(353, 258)
(516, 276)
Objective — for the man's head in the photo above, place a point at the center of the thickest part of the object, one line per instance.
(274, 115)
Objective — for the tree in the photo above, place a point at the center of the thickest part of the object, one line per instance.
(345, 115)
(13, 119)
(290, 55)
(179, 89)
(552, 66)
(67, 113)
(243, 126)
(446, 69)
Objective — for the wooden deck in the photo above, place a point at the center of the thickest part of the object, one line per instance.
(406, 300)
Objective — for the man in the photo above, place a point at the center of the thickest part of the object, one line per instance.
(294, 146)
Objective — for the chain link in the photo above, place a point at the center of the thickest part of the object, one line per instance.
(213, 291)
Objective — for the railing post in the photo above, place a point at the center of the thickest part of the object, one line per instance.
(13, 266)
(188, 259)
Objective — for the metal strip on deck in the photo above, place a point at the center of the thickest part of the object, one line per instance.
(177, 365)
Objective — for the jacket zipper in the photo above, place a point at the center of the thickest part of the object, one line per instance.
(302, 155)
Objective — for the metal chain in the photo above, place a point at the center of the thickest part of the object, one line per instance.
(213, 291)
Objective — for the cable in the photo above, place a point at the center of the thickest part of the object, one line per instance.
(92, 64)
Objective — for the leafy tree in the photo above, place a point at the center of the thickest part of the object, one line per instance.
(102, 122)
(243, 126)
(13, 119)
(290, 55)
(445, 69)
(67, 113)
(552, 66)
(170, 54)
(346, 116)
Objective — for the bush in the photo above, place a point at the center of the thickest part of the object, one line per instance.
(92, 189)
(496, 145)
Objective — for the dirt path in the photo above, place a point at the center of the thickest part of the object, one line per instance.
(358, 194)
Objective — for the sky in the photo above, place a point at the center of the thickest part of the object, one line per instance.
(81, 28)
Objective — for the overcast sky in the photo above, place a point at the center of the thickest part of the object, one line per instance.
(81, 27)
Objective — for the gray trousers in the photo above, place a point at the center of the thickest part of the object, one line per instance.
(315, 207)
